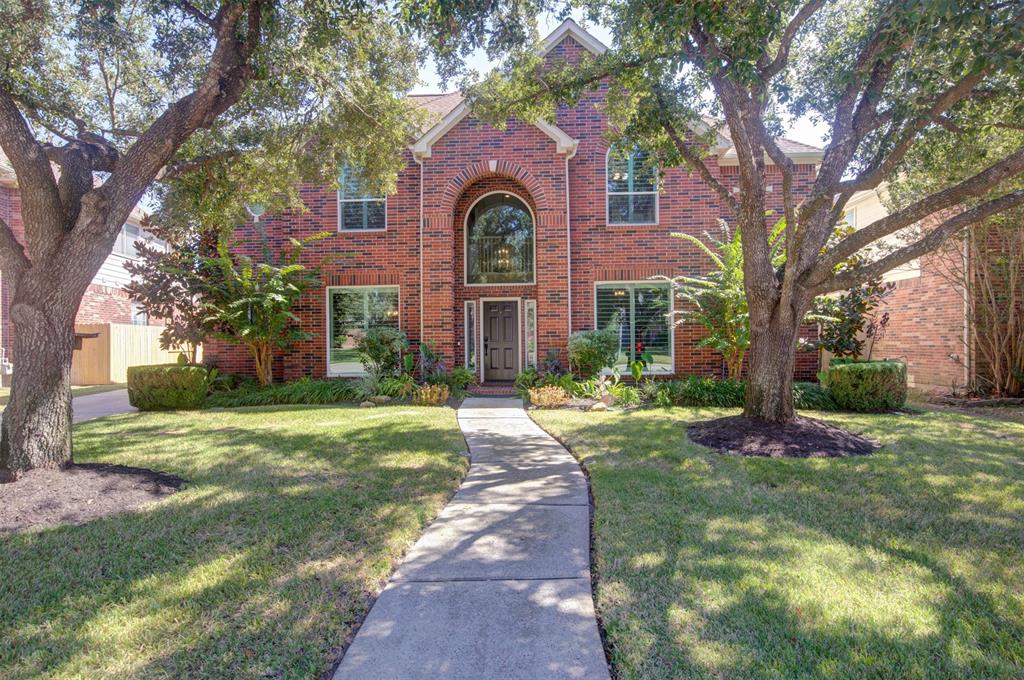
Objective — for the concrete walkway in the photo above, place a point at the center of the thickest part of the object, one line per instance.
(498, 587)
(91, 406)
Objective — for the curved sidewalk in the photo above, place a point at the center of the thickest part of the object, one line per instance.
(498, 587)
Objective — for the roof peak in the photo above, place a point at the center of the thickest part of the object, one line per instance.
(578, 33)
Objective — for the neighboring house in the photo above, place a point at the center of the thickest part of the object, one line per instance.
(105, 301)
(499, 243)
(927, 326)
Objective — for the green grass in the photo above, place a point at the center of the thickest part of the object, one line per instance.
(78, 391)
(905, 564)
(292, 518)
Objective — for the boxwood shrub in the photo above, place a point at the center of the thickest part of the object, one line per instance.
(868, 386)
(591, 351)
(163, 387)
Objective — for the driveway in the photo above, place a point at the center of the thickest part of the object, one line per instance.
(90, 406)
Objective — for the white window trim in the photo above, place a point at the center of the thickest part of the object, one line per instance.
(671, 315)
(519, 313)
(607, 203)
(465, 244)
(327, 326)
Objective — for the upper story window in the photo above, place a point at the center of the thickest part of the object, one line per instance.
(632, 186)
(499, 241)
(358, 209)
(130, 235)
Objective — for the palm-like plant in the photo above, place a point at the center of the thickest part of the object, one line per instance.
(717, 301)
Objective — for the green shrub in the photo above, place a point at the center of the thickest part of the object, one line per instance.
(167, 386)
(697, 391)
(625, 395)
(590, 351)
(868, 386)
(812, 396)
(302, 391)
(461, 378)
(380, 349)
(430, 395)
(548, 396)
(525, 380)
(399, 387)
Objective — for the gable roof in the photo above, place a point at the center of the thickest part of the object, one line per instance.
(445, 110)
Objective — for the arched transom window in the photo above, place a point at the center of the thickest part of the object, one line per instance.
(499, 241)
(632, 186)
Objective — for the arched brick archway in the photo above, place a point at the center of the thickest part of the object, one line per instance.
(482, 170)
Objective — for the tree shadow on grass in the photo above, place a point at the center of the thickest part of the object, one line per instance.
(901, 564)
(260, 567)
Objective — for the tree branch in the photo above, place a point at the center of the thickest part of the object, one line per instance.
(935, 237)
(872, 177)
(196, 13)
(694, 159)
(770, 69)
(12, 253)
(977, 185)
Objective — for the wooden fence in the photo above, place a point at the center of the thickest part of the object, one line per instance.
(105, 359)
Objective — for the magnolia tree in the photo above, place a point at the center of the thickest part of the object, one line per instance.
(208, 104)
(881, 74)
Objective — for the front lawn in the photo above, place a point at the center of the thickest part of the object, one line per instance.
(908, 563)
(291, 520)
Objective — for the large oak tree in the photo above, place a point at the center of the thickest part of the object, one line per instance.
(882, 74)
(209, 105)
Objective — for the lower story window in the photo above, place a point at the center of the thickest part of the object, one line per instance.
(352, 311)
(638, 313)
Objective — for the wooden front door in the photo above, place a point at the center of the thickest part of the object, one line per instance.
(501, 340)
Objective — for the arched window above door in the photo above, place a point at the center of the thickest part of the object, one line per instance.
(499, 241)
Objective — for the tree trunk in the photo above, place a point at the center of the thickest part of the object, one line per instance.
(772, 355)
(36, 430)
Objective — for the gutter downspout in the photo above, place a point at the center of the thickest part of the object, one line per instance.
(568, 236)
(968, 355)
(422, 165)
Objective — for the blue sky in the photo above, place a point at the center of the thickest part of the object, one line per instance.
(802, 130)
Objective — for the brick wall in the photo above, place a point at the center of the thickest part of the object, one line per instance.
(471, 160)
(104, 304)
(926, 329)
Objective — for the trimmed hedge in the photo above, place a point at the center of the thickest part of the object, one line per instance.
(302, 391)
(814, 397)
(591, 351)
(868, 386)
(167, 387)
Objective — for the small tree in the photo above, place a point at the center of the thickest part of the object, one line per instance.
(842, 318)
(168, 285)
(717, 301)
(250, 303)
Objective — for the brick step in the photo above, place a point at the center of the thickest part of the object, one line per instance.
(493, 390)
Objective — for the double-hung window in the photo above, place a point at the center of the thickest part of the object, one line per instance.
(351, 312)
(632, 186)
(358, 209)
(639, 315)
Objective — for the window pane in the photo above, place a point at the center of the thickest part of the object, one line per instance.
(499, 245)
(352, 187)
(618, 172)
(531, 333)
(613, 306)
(643, 171)
(651, 330)
(374, 214)
(637, 313)
(471, 335)
(353, 311)
(631, 209)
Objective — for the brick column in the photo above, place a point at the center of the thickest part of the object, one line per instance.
(439, 283)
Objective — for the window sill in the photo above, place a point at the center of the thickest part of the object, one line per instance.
(632, 224)
(361, 231)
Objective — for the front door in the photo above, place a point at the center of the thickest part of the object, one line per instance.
(501, 340)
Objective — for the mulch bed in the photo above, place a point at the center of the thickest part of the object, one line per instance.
(79, 493)
(803, 438)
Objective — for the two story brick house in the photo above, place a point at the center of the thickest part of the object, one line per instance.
(498, 244)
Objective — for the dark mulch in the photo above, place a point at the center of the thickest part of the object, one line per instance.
(79, 493)
(803, 438)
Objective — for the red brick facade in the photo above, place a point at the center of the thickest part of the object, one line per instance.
(470, 160)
